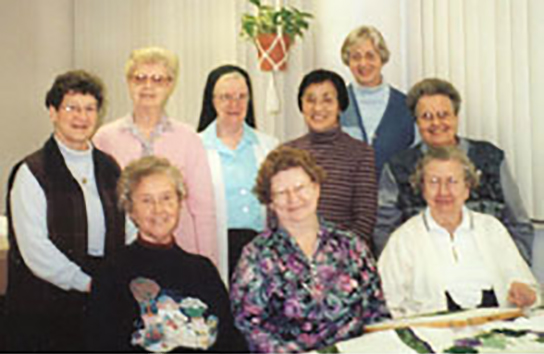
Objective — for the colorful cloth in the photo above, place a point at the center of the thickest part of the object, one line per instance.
(285, 302)
(168, 320)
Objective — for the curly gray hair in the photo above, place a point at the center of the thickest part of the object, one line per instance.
(144, 167)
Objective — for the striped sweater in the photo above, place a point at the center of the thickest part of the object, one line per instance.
(349, 193)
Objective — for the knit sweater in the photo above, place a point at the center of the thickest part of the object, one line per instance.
(121, 307)
(349, 192)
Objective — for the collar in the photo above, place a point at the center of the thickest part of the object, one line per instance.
(467, 221)
(462, 144)
(360, 89)
(248, 137)
(155, 246)
(326, 137)
(322, 233)
(163, 125)
(77, 154)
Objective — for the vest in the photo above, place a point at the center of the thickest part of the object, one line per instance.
(487, 198)
(395, 132)
(66, 227)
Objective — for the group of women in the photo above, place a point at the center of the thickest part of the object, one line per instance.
(287, 229)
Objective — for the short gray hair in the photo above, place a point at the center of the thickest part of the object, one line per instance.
(144, 167)
(445, 153)
(365, 32)
(432, 87)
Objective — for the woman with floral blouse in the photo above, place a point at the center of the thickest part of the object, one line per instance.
(303, 284)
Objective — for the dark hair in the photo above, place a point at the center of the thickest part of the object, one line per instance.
(208, 113)
(281, 159)
(75, 81)
(320, 76)
(432, 87)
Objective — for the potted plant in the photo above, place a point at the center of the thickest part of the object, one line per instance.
(273, 31)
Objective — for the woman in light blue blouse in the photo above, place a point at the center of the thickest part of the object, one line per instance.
(235, 151)
(304, 284)
(377, 113)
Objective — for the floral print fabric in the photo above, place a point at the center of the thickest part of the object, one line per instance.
(285, 302)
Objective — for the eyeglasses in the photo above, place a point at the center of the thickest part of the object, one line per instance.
(227, 97)
(435, 182)
(368, 56)
(326, 100)
(301, 190)
(149, 202)
(157, 80)
(440, 115)
(70, 108)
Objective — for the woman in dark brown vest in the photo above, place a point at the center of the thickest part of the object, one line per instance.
(63, 222)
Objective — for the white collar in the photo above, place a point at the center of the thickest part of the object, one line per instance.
(69, 152)
(467, 222)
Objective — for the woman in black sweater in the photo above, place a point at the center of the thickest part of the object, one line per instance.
(154, 296)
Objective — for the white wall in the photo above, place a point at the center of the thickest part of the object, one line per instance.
(36, 38)
(335, 19)
(40, 39)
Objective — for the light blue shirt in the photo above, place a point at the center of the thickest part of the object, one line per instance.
(240, 171)
(372, 102)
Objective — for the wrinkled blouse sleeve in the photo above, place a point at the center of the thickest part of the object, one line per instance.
(374, 309)
(249, 296)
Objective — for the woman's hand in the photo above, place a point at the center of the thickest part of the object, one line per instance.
(521, 294)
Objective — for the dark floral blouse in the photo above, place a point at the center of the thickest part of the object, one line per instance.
(285, 302)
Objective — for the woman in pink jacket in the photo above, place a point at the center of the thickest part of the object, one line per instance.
(151, 75)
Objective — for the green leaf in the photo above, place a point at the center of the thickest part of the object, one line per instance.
(331, 349)
(291, 20)
(460, 349)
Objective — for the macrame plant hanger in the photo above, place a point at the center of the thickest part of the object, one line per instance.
(273, 58)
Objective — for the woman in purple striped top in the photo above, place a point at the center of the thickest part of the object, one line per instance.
(349, 195)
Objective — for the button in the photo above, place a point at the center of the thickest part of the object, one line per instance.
(245, 209)
(243, 191)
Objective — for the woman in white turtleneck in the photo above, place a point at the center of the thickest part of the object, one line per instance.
(377, 113)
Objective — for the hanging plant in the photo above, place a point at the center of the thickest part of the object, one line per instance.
(273, 31)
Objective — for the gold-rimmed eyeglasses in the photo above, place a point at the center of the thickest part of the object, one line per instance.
(440, 115)
(156, 80)
(300, 190)
(72, 108)
(149, 202)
